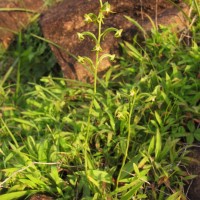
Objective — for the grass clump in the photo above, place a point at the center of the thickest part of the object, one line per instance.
(122, 138)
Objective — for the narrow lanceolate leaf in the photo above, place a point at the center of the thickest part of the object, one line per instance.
(135, 183)
(96, 104)
(25, 122)
(112, 121)
(175, 196)
(37, 181)
(158, 144)
(136, 169)
(167, 147)
(158, 118)
(13, 195)
(165, 97)
(29, 183)
(136, 24)
(55, 175)
(132, 51)
(151, 145)
(143, 162)
(132, 192)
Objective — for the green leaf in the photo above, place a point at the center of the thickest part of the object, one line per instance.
(37, 181)
(90, 161)
(190, 177)
(141, 196)
(96, 104)
(168, 81)
(158, 144)
(151, 145)
(101, 176)
(25, 122)
(96, 177)
(158, 118)
(123, 144)
(136, 169)
(131, 193)
(42, 151)
(168, 145)
(165, 97)
(179, 98)
(60, 192)
(143, 162)
(31, 148)
(135, 185)
(154, 123)
(128, 167)
(190, 138)
(55, 175)
(132, 51)
(10, 171)
(197, 134)
(191, 126)
(28, 183)
(112, 121)
(175, 196)
(94, 113)
(13, 195)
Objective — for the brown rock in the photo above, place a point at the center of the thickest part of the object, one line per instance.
(61, 24)
(12, 21)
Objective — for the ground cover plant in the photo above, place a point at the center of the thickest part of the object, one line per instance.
(126, 136)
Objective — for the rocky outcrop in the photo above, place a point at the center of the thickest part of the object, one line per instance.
(61, 24)
(15, 15)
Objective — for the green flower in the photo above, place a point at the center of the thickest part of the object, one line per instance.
(81, 59)
(97, 48)
(90, 18)
(118, 33)
(80, 36)
(106, 8)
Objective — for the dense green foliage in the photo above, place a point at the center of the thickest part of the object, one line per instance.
(124, 138)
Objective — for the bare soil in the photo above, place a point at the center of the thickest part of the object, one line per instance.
(193, 189)
(41, 197)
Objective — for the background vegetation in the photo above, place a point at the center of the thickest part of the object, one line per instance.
(127, 139)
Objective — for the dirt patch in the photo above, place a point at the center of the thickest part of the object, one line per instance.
(194, 169)
(41, 197)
